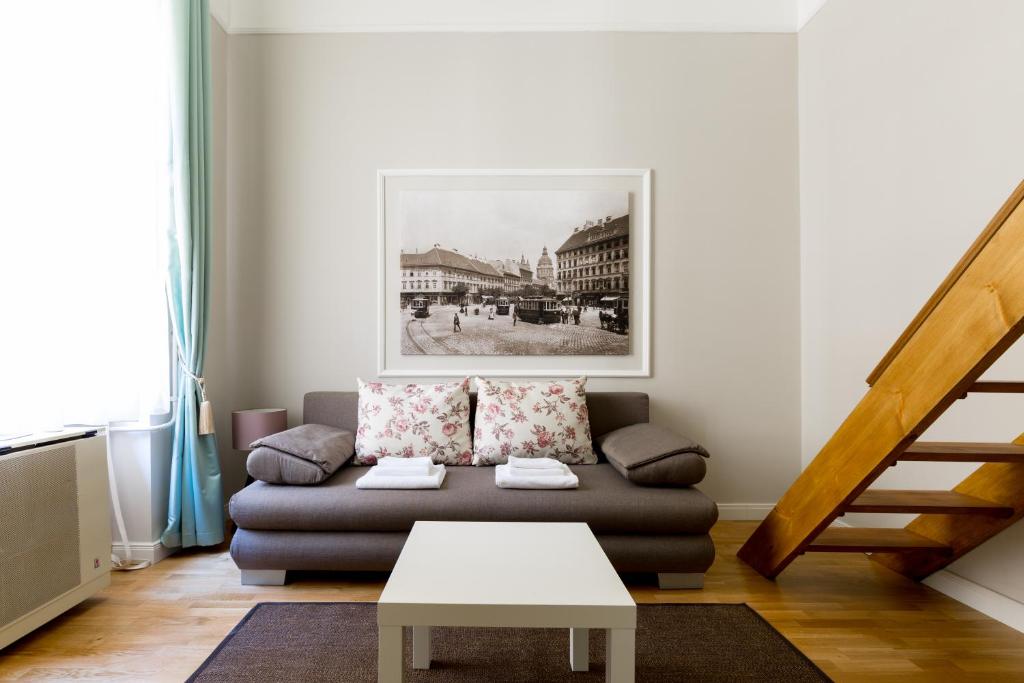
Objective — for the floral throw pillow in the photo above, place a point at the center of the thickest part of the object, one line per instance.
(408, 420)
(540, 419)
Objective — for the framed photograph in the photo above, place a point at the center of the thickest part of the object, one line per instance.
(514, 272)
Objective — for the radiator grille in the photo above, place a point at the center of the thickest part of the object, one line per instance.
(39, 533)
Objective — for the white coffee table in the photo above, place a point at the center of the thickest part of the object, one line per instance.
(527, 575)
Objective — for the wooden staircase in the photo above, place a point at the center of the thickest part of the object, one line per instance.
(974, 316)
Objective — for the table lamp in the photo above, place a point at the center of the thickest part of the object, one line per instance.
(249, 425)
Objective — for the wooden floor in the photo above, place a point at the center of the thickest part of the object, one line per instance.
(858, 621)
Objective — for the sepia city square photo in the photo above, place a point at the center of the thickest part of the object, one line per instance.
(514, 272)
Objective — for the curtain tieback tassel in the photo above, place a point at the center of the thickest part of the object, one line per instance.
(205, 425)
(205, 411)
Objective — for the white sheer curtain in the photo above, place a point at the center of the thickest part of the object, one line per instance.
(82, 144)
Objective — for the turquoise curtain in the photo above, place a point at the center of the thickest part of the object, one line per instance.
(195, 513)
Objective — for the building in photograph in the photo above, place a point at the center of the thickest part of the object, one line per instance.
(510, 280)
(445, 276)
(522, 268)
(514, 274)
(594, 261)
(545, 270)
(525, 271)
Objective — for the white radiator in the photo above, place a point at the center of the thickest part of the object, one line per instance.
(54, 529)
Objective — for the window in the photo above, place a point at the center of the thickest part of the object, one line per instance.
(87, 340)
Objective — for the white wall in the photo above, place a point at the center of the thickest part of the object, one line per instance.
(374, 16)
(222, 376)
(910, 139)
(310, 118)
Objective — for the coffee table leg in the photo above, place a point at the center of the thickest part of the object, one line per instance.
(421, 647)
(579, 649)
(389, 654)
(620, 666)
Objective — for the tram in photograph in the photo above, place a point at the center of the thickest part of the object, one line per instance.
(539, 310)
(502, 306)
(420, 308)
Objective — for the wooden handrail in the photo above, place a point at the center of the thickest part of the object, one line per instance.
(958, 270)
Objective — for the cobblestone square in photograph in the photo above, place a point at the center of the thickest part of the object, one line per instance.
(482, 336)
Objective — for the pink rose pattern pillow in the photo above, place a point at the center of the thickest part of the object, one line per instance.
(407, 420)
(545, 418)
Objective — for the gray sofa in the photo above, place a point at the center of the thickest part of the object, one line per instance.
(335, 526)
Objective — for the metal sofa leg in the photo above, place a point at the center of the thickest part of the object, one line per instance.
(671, 581)
(263, 577)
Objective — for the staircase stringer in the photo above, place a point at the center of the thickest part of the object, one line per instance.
(976, 315)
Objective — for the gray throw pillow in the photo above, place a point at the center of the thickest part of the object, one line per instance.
(307, 454)
(649, 455)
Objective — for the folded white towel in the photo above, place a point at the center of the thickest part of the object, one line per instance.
(505, 479)
(418, 465)
(385, 478)
(559, 471)
(403, 472)
(535, 463)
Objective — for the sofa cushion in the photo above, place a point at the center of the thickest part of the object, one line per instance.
(649, 455)
(306, 454)
(410, 420)
(539, 419)
(604, 500)
(379, 550)
(314, 442)
(679, 471)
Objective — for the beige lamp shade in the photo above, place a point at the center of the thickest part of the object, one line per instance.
(249, 425)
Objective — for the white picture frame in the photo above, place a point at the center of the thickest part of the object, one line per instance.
(390, 361)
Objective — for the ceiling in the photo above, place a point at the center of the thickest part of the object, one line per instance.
(370, 16)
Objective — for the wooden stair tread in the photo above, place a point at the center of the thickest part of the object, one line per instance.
(962, 451)
(868, 540)
(997, 387)
(925, 502)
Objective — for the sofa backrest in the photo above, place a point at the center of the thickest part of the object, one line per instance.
(609, 410)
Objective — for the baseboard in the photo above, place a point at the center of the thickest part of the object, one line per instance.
(735, 512)
(153, 552)
(974, 595)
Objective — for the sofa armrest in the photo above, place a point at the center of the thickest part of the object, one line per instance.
(649, 455)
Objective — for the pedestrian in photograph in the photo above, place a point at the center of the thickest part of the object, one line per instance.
(490, 314)
(457, 326)
(576, 315)
(515, 317)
